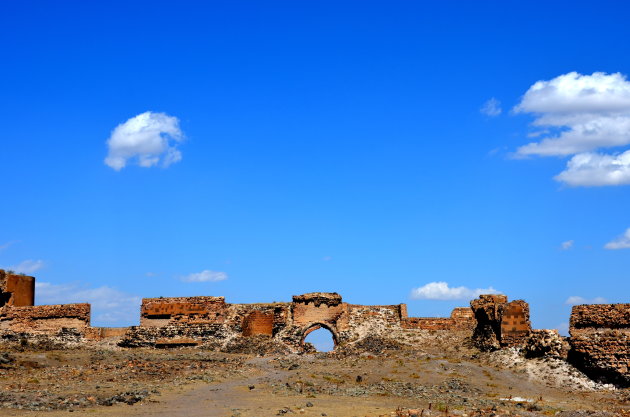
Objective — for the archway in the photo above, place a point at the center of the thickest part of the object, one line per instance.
(321, 336)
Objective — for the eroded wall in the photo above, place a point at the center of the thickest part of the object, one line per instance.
(210, 320)
(600, 341)
(16, 290)
(500, 323)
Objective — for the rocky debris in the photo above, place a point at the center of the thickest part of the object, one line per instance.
(255, 345)
(369, 344)
(551, 371)
(74, 379)
(546, 343)
(63, 338)
(6, 358)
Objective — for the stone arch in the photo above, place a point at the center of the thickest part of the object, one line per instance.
(314, 326)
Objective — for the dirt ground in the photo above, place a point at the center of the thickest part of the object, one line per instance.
(440, 379)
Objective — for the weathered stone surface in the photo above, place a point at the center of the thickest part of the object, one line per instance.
(600, 341)
(16, 290)
(214, 323)
(500, 323)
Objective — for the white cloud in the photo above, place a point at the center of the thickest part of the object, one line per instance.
(576, 299)
(621, 242)
(595, 169)
(109, 305)
(581, 112)
(147, 139)
(491, 107)
(205, 276)
(441, 291)
(26, 267)
(567, 245)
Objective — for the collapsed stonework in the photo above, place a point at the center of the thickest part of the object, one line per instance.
(600, 341)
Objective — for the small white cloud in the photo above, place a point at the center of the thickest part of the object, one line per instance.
(491, 108)
(442, 291)
(595, 169)
(567, 245)
(578, 113)
(205, 276)
(150, 274)
(621, 242)
(109, 305)
(327, 258)
(26, 267)
(147, 139)
(576, 299)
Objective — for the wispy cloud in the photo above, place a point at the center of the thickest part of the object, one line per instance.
(148, 139)
(575, 116)
(576, 299)
(440, 290)
(26, 267)
(567, 245)
(109, 305)
(491, 108)
(6, 245)
(621, 242)
(205, 276)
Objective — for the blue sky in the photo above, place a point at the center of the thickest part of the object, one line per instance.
(290, 147)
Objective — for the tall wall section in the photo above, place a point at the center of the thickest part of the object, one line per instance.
(600, 341)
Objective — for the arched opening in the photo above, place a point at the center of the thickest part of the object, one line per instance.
(321, 337)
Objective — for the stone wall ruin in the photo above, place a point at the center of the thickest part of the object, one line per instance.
(599, 342)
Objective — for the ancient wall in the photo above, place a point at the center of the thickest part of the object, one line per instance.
(500, 323)
(600, 341)
(19, 315)
(211, 321)
(16, 290)
(45, 319)
(156, 312)
(461, 319)
(258, 323)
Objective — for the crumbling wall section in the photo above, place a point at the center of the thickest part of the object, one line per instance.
(461, 319)
(46, 319)
(600, 341)
(500, 323)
